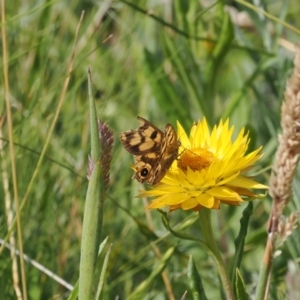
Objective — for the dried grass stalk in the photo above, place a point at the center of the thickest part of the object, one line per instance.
(283, 172)
(287, 155)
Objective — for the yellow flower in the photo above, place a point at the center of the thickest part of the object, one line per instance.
(209, 170)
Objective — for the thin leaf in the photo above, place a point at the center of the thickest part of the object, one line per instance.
(142, 289)
(183, 236)
(195, 281)
(102, 245)
(194, 95)
(240, 289)
(74, 294)
(240, 240)
(221, 49)
(169, 100)
(103, 272)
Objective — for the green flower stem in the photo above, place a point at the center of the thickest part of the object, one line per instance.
(263, 284)
(213, 251)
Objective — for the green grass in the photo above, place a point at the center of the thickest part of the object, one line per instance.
(188, 62)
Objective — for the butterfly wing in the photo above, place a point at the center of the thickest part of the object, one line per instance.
(147, 138)
(153, 149)
(169, 152)
(151, 168)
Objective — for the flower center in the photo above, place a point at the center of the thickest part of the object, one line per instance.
(196, 159)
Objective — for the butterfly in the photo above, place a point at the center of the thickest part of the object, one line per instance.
(154, 151)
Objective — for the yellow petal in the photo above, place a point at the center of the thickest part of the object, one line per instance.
(224, 193)
(177, 198)
(205, 200)
(182, 137)
(189, 204)
(247, 183)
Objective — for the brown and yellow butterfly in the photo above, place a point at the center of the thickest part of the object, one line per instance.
(154, 151)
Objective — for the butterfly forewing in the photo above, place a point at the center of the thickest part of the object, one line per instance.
(144, 140)
(154, 150)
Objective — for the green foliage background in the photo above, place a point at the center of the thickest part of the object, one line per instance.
(165, 61)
